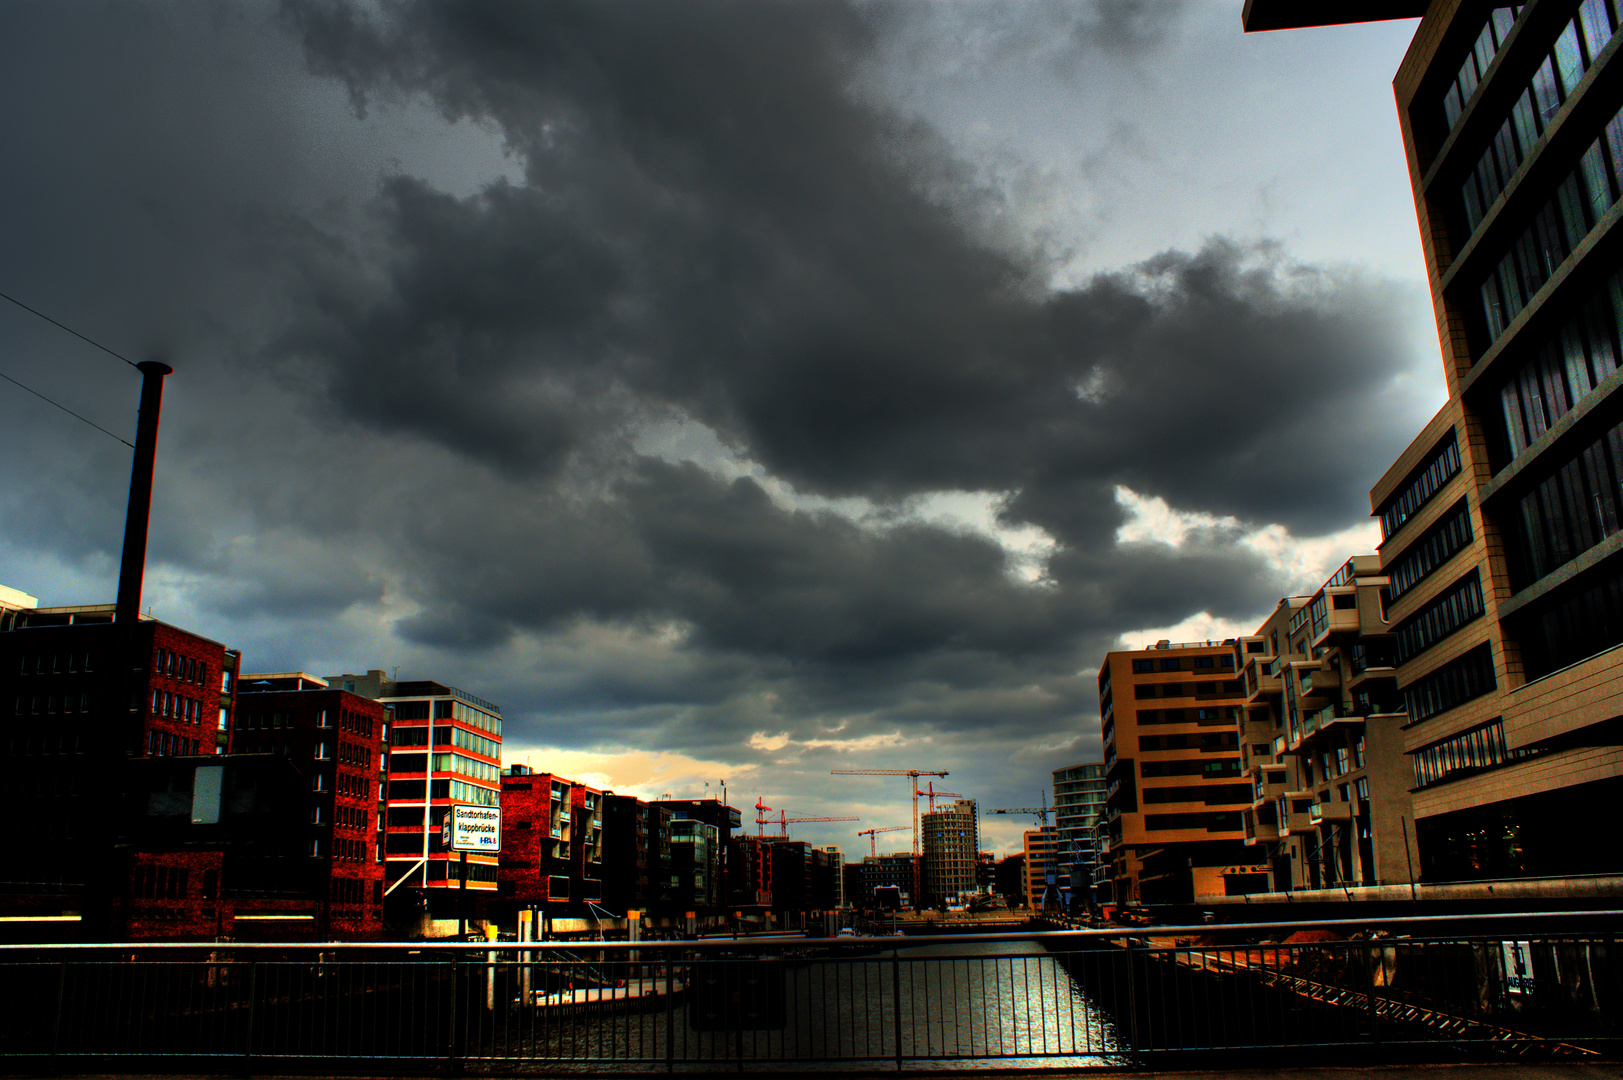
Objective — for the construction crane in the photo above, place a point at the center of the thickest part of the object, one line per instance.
(873, 845)
(1050, 876)
(932, 795)
(1040, 812)
(913, 789)
(783, 820)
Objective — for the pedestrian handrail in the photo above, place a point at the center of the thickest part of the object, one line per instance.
(1397, 989)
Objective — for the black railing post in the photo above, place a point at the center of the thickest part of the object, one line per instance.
(896, 1002)
(451, 1042)
(1132, 995)
(248, 1031)
(61, 990)
(670, 1014)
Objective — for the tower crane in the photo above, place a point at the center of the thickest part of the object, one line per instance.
(1050, 876)
(913, 789)
(784, 821)
(873, 845)
(932, 795)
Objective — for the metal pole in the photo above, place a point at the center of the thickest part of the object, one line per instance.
(1410, 857)
(132, 566)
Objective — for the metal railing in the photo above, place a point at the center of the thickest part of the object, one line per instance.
(1487, 985)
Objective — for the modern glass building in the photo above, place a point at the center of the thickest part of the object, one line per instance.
(445, 749)
(1079, 803)
(1501, 523)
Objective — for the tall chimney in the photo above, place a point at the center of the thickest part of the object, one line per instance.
(133, 567)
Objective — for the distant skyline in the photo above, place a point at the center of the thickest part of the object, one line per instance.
(728, 390)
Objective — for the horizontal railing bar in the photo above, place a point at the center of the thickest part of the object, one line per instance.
(885, 943)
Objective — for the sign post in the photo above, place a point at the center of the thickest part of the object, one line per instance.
(470, 828)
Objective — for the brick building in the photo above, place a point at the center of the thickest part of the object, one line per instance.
(339, 740)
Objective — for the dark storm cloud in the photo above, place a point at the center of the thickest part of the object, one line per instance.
(415, 413)
(714, 224)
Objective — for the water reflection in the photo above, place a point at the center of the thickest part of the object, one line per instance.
(976, 1002)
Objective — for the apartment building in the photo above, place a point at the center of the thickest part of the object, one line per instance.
(951, 841)
(1041, 868)
(1321, 739)
(445, 748)
(1502, 536)
(1174, 792)
(1079, 804)
(538, 867)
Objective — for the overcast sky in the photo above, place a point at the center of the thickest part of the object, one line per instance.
(731, 391)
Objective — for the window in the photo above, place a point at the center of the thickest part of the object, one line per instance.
(1572, 508)
(1572, 623)
(1454, 683)
(1482, 747)
(1435, 546)
(1172, 664)
(1142, 666)
(1425, 482)
(1437, 620)
(1205, 661)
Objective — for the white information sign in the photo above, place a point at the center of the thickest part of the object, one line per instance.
(1518, 957)
(476, 829)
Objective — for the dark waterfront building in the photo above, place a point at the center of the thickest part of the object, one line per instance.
(1501, 523)
(338, 740)
(539, 865)
(86, 699)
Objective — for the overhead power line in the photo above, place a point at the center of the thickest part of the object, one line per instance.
(72, 331)
(65, 409)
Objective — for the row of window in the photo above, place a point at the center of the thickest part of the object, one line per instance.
(1210, 794)
(356, 890)
(1573, 625)
(1439, 468)
(1206, 741)
(53, 663)
(1575, 49)
(1176, 663)
(350, 721)
(171, 664)
(174, 707)
(356, 787)
(1440, 618)
(1470, 751)
(168, 744)
(1483, 50)
(1573, 508)
(346, 849)
(1188, 716)
(1456, 682)
(1435, 547)
(1564, 372)
(1220, 767)
(1332, 763)
(350, 754)
(460, 737)
(352, 817)
(50, 703)
(412, 791)
(1219, 821)
(1185, 689)
(1556, 230)
(29, 741)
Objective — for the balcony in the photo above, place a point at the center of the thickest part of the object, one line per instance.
(1259, 832)
(1337, 620)
(1261, 679)
(1331, 812)
(1331, 720)
(1320, 684)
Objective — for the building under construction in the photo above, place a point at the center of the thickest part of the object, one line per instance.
(951, 838)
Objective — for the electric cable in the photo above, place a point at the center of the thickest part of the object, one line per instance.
(70, 330)
(65, 409)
